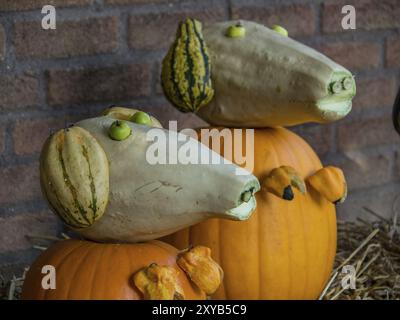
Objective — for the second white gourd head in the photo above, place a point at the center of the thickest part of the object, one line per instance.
(98, 177)
(243, 74)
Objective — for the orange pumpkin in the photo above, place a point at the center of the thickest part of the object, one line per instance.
(89, 270)
(286, 249)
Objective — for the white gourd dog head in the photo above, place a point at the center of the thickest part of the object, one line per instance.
(258, 76)
(112, 192)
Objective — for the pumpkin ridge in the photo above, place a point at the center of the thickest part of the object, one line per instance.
(99, 257)
(260, 215)
(306, 250)
(111, 257)
(272, 153)
(101, 284)
(130, 282)
(83, 257)
(93, 256)
(331, 242)
(259, 250)
(222, 287)
(299, 204)
(77, 246)
(286, 219)
(334, 241)
(299, 208)
(326, 265)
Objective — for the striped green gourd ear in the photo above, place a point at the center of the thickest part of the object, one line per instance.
(74, 176)
(186, 69)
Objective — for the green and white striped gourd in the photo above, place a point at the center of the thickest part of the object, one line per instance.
(186, 74)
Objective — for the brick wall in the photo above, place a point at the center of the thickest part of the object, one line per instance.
(109, 51)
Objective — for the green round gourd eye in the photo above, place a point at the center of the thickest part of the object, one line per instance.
(141, 117)
(119, 130)
(280, 30)
(236, 31)
(347, 83)
(336, 87)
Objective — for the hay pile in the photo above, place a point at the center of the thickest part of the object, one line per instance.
(371, 247)
(11, 290)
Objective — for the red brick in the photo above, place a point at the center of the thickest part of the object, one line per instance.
(71, 38)
(370, 15)
(109, 84)
(353, 55)
(15, 229)
(363, 170)
(318, 136)
(366, 133)
(2, 43)
(22, 183)
(379, 199)
(298, 19)
(29, 135)
(393, 52)
(157, 30)
(21, 5)
(374, 92)
(18, 92)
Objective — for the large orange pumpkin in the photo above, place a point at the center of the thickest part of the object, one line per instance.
(287, 248)
(90, 270)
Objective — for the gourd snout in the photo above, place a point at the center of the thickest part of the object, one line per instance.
(246, 203)
(338, 102)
